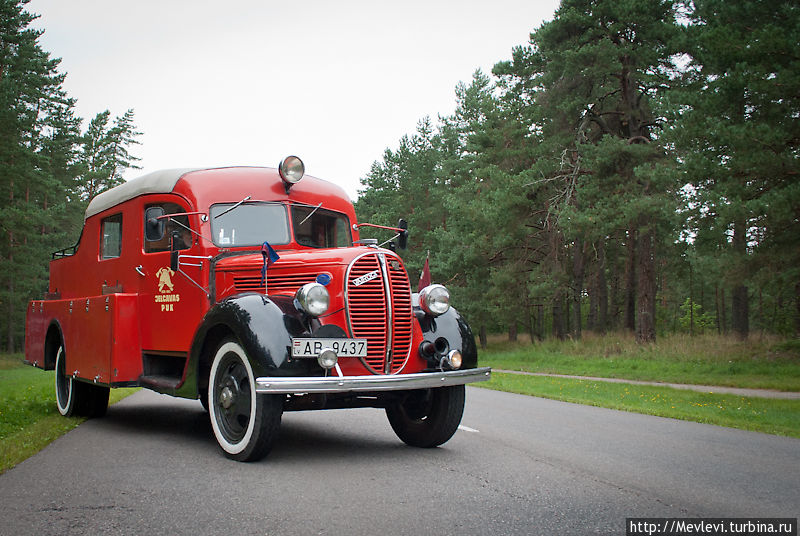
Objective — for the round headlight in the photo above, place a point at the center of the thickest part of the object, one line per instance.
(313, 298)
(434, 300)
(291, 169)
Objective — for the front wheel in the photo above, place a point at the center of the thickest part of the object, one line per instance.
(245, 423)
(428, 418)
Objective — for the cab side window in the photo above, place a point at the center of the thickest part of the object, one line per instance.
(111, 237)
(174, 224)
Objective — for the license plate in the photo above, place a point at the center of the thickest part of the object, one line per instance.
(311, 347)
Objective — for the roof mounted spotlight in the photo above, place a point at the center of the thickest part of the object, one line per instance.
(291, 169)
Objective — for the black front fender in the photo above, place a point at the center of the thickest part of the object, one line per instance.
(264, 327)
(455, 329)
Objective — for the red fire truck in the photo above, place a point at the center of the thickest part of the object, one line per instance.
(251, 290)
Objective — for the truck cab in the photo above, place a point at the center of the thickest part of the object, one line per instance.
(250, 289)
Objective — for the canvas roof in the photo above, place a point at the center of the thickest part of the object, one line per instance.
(157, 182)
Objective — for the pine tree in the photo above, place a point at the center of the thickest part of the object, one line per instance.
(41, 194)
(595, 69)
(34, 112)
(104, 155)
(739, 136)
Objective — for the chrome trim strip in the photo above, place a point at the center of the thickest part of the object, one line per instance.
(387, 289)
(348, 384)
(347, 294)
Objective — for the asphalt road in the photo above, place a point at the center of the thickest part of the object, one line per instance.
(520, 465)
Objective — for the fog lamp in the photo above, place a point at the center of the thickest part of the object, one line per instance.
(454, 358)
(291, 170)
(434, 300)
(327, 358)
(313, 298)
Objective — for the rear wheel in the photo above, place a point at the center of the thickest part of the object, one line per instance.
(428, 418)
(66, 392)
(245, 423)
(76, 398)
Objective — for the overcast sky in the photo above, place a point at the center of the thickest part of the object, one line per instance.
(247, 82)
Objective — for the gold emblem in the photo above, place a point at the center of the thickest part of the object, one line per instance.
(166, 299)
(164, 276)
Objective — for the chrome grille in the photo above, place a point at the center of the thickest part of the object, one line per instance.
(379, 309)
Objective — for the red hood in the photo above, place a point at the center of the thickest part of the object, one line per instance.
(242, 273)
(296, 260)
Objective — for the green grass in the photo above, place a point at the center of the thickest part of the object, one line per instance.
(29, 419)
(701, 360)
(772, 416)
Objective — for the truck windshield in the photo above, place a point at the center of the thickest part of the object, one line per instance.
(249, 224)
(320, 228)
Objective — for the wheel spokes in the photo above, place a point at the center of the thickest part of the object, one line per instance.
(233, 400)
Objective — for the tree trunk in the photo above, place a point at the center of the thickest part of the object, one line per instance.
(512, 332)
(740, 314)
(630, 282)
(11, 299)
(602, 290)
(558, 317)
(10, 333)
(482, 336)
(613, 318)
(531, 323)
(578, 271)
(691, 300)
(723, 310)
(540, 329)
(797, 303)
(646, 288)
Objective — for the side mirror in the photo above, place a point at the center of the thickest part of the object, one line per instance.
(153, 226)
(174, 251)
(402, 239)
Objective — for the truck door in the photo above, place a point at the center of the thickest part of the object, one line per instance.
(171, 303)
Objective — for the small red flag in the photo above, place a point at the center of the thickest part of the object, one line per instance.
(425, 276)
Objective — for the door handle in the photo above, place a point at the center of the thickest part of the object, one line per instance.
(140, 270)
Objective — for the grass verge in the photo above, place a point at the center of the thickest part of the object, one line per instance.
(772, 416)
(29, 419)
(701, 360)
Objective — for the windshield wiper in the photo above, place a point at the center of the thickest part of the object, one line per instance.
(233, 207)
(311, 214)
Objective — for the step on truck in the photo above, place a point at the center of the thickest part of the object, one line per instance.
(250, 289)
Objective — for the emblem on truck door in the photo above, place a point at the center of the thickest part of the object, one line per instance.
(166, 299)
(164, 276)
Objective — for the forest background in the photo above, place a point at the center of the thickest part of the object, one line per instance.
(633, 167)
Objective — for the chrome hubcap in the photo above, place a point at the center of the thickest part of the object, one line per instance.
(226, 397)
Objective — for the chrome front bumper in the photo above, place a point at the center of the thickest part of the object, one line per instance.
(347, 384)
